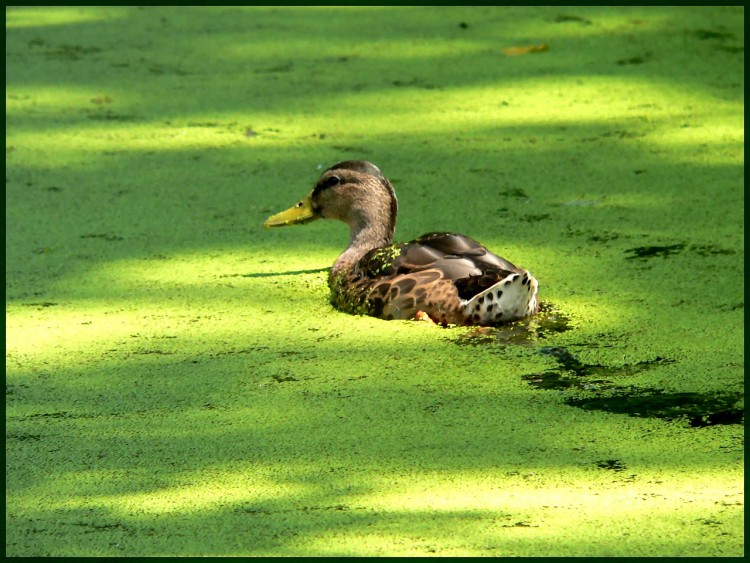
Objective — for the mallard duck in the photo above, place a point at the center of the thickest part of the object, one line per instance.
(443, 277)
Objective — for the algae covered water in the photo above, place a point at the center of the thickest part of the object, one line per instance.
(178, 383)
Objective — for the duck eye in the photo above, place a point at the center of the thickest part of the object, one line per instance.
(328, 182)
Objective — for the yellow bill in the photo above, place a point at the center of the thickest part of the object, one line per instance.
(300, 213)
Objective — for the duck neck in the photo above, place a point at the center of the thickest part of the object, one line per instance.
(364, 236)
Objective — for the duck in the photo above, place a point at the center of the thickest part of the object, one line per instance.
(440, 277)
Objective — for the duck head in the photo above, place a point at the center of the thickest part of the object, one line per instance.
(355, 192)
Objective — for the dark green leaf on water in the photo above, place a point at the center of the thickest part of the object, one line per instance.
(646, 252)
(638, 60)
(566, 18)
(109, 237)
(712, 34)
(71, 52)
(611, 464)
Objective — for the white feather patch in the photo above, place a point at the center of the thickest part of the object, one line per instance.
(513, 298)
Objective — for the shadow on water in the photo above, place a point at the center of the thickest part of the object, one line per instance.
(700, 409)
(275, 274)
(573, 374)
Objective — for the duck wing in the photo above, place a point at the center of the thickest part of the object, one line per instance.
(462, 260)
(451, 244)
